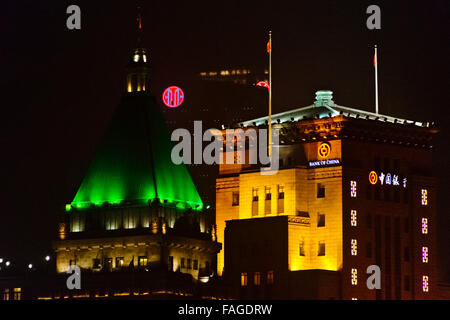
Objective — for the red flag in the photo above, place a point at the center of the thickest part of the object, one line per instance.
(269, 47)
(375, 60)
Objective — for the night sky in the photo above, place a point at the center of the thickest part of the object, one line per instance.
(60, 87)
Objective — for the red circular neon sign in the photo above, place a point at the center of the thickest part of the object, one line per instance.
(173, 97)
(373, 177)
(263, 84)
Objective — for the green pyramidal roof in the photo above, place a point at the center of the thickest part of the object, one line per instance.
(133, 162)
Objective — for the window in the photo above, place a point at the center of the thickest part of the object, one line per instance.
(354, 277)
(369, 192)
(406, 283)
(17, 294)
(268, 198)
(320, 190)
(95, 263)
(235, 196)
(369, 250)
(189, 266)
(255, 202)
(280, 199)
(142, 261)
(353, 218)
(369, 221)
(170, 263)
(424, 197)
(320, 220)
(6, 294)
(424, 226)
(425, 254)
(353, 189)
(255, 194)
(321, 248)
(195, 264)
(182, 263)
(270, 277)
(119, 262)
(425, 283)
(257, 278)
(107, 263)
(280, 192)
(354, 247)
(406, 254)
(301, 248)
(243, 279)
(406, 225)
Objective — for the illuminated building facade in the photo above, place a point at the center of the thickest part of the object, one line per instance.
(354, 189)
(135, 209)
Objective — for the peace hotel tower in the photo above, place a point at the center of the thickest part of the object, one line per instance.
(354, 189)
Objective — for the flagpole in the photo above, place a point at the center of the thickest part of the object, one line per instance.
(270, 92)
(376, 79)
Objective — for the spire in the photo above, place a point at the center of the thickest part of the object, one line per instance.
(138, 67)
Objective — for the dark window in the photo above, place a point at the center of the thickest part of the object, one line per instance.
(405, 196)
(182, 262)
(321, 220)
(95, 263)
(235, 198)
(406, 254)
(406, 225)
(397, 195)
(107, 264)
(387, 164)
(170, 263)
(321, 248)
(396, 165)
(280, 192)
(406, 283)
(301, 248)
(255, 194)
(387, 194)
(377, 193)
(120, 262)
(369, 192)
(369, 220)
(189, 264)
(377, 164)
(320, 190)
(369, 250)
(195, 264)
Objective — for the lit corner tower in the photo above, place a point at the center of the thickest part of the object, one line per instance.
(134, 206)
(138, 68)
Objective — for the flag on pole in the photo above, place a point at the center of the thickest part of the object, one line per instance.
(375, 59)
(269, 47)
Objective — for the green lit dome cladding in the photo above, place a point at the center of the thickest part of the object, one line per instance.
(133, 161)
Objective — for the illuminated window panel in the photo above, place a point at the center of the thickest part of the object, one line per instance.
(424, 197)
(425, 283)
(353, 218)
(354, 298)
(270, 277)
(354, 277)
(424, 226)
(354, 247)
(257, 279)
(425, 254)
(353, 189)
(243, 279)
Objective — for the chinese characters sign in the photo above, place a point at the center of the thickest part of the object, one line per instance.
(387, 179)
